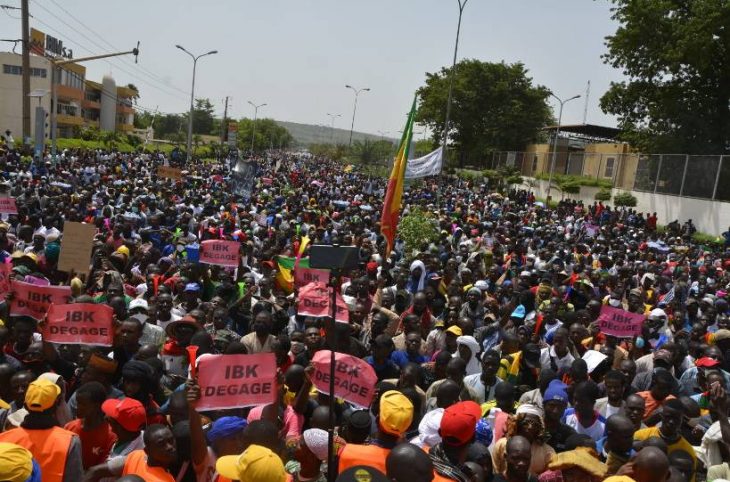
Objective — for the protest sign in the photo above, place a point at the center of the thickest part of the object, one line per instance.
(34, 301)
(219, 252)
(235, 381)
(314, 300)
(79, 324)
(304, 276)
(7, 206)
(169, 172)
(78, 241)
(5, 270)
(267, 181)
(592, 230)
(618, 322)
(354, 379)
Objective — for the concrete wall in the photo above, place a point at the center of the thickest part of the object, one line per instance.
(712, 217)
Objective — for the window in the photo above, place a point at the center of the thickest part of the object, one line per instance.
(534, 163)
(71, 79)
(18, 70)
(609, 167)
(66, 109)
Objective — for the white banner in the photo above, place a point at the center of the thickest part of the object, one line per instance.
(428, 165)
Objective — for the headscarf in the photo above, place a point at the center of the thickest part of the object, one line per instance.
(413, 287)
(472, 366)
(428, 429)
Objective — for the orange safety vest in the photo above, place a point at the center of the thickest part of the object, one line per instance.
(440, 478)
(368, 455)
(136, 464)
(49, 448)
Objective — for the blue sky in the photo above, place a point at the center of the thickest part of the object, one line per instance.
(297, 55)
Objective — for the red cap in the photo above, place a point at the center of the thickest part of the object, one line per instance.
(372, 267)
(128, 412)
(706, 362)
(459, 422)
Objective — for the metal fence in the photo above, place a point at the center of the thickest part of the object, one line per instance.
(697, 176)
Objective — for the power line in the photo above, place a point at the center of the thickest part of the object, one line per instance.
(113, 47)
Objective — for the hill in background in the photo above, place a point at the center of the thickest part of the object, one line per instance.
(306, 134)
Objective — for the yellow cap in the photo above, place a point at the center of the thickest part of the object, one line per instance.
(396, 413)
(454, 330)
(41, 395)
(124, 250)
(16, 463)
(255, 464)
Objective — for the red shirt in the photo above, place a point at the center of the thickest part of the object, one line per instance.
(95, 444)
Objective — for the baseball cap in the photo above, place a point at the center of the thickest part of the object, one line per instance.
(128, 412)
(556, 391)
(225, 427)
(519, 312)
(41, 395)
(361, 473)
(192, 287)
(721, 335)
(706, 362)
(138, 303)
(454, 330)
(185, 320)
(16, 463)
(531, 354)
(459, 422)
(255, 464)
(396, 413)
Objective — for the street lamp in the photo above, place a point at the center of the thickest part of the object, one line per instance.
(462, 5)
(354, 109)
(192, 97)
(332, 126)
(255, 116)
(555, 144)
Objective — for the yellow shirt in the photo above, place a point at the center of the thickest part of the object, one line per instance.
(680, 444)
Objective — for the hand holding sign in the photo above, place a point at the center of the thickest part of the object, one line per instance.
(620, 323)
(234, 381)
(355, 379)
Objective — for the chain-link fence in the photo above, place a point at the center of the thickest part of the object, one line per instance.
(700, 176)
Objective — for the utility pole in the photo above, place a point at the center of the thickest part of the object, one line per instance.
(26, 70)
(224, 128)
(585, 108)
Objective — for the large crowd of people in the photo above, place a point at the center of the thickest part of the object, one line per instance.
(486, 341)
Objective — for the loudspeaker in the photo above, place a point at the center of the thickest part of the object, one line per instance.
(326, 256)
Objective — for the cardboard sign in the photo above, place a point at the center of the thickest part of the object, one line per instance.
(234, 381)
(79, 324)
(5, 270)
(354, 379)
(314, 300)
(169, 172)
(219, 252)
(617, 322)
(7, 206)
(78, 241)
(304, 276)
(34, 301)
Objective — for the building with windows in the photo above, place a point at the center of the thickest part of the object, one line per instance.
(80, 102)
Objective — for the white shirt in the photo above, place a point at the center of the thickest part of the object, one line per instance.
(563, 364)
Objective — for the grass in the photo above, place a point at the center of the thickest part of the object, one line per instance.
(580, 180)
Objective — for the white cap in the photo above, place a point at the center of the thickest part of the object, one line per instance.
(138, 303)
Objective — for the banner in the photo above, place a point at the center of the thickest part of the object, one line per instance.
(219, 252)
(617, 322)
(76, 246)
(355, 379)
(7, 206)
(314, 300)
(304, 276)
(169, 172)
(34, 301)
(235, 381)
(243, 176)
(79, 324)
(5, 270)
(428, 165)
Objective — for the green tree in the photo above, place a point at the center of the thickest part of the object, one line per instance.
(625, 199)
(603, 195)
(495, 107)
(676, 57)
(268, 135)
(417, 229)
(203, 117)
(370, 152)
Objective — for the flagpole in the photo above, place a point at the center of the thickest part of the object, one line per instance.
(462, 5)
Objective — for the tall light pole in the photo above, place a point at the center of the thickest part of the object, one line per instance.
(192, 97)
(354, 109)
(332, 126)
(555, 145)
(255, 116)
(462, 5)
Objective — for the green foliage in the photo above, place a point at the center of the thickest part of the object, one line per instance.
(503, 177)
(625, 199)
(133, 140)
(423, 147)
(417, 229)
(369, 152)
(580, 180)
(204, 118)
(603, 195)
(335, 152)
(674, 55)
(495, 107)
(268, 135)
(566, 186)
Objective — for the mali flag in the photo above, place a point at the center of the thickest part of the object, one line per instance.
(285, 271)
(392, 205)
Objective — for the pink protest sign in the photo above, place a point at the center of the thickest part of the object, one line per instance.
(354, 379)
(304, 276)
(80, 324)
(234, 381)
(219, 252)
(5, 270)
(314, 300)
(618, 322)
(34, 301)
(7, 206)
